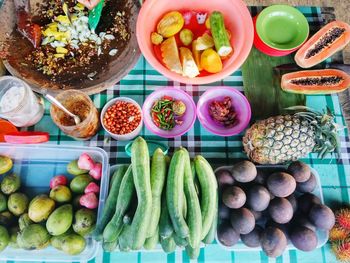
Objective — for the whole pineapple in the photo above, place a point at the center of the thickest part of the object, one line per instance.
(289, 137)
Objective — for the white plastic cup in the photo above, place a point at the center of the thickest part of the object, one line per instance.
(122, 137)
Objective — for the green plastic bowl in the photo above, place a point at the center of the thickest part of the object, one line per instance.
(282, 27)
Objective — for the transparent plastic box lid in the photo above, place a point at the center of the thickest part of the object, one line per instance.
(36, 165)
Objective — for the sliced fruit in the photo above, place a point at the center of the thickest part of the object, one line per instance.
(196, 55)
(211, 61)
(219, 33)
(189, 67)
(170, 24)
(5, 164)
(325, 81)
(186, 36)
(156, 38)
(204, 42)
(328, 40)
(170, 55)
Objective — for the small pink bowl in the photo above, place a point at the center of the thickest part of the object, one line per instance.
(237, 19)
(188, 118)
(239, 102)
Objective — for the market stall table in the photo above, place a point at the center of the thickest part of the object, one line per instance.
(140, 82)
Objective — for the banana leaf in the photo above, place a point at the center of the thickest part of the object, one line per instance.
(262, 85)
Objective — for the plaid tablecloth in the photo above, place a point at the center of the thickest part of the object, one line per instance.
(143, 80)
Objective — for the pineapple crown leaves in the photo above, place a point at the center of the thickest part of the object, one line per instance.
(326, 130)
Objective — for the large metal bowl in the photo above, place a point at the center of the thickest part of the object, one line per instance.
(115, 69)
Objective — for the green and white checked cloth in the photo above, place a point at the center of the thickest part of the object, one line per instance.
(143, 80)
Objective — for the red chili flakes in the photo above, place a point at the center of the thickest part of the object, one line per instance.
(122, 118)
(223, 112)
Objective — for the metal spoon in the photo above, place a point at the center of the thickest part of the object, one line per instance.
(59, 105)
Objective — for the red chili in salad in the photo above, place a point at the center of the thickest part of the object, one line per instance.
(166, 112)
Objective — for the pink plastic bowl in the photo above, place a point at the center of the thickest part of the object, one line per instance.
(188, 119)
(240, 104)
(237, 19)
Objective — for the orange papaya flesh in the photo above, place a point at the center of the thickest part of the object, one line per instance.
(328, 40)
(313, 82)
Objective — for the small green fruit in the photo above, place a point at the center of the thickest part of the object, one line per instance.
(79, 183)
(61, 194)
(84, 221)
(40, 208)
(18, 203)
(10, 184)
(73, 168)
(60, 220)
(4, 238)
(24, 221)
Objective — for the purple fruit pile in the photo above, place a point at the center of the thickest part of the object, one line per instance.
(267, 207)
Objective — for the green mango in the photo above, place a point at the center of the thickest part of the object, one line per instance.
(73, 244)
(84, 221)
(73, 168)
(40, 208)
(6, 218)
(3, 203)
(57, 241)
(10, 184)
(61, 194)
(79, 183)
(34, 236)
(4, 238)
(24, 221)
(60, 220)
(17, 203)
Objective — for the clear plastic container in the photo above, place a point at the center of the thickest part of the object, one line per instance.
(322, 235)
(27, 109)
(36, 165)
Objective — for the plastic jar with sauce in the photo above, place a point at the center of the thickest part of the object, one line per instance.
(80, 104)
(18, 103)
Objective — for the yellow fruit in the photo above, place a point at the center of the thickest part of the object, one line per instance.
(170, 55)
(186, 36)
(207, 23)
(196, 55)
(156, 38)
(204, 42)
(189, 67)
(170, 24)
(211, 61)
(5, 163)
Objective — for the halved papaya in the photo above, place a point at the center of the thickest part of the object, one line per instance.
(313, 82)
(328, 40)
